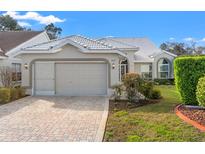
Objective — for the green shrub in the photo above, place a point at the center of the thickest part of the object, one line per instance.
(11, 94)
(155, 94)
(117, 91)
(164, 81)
(5, 95)
(187, 72)
(14, 94)
(200, 92)
(146, 88)
(21, 92)
(132, 83)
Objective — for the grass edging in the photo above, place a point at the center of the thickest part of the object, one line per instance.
(102, 128)
(188, 120)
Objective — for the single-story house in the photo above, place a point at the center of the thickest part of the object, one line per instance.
(12, 42)
(80, 66)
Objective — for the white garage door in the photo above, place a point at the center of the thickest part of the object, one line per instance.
(44, 78)
(70, 79)
(81, 79)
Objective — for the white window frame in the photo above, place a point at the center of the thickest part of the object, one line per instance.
(159, 66)
(150, 71)
(14, 70)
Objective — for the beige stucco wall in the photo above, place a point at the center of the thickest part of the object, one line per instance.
(70, 52)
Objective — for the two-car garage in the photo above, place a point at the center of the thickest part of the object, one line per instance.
(70, 78)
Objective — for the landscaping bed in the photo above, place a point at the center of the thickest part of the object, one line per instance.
(195, 114)
(124, 105)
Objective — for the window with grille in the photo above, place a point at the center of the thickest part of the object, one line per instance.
(16, 72)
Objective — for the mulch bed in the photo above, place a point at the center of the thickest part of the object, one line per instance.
(197, 115)
(124, 105)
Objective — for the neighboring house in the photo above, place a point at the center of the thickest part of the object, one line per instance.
(11, 42)
(80, 66)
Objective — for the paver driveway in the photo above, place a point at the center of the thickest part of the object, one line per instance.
(54, 119)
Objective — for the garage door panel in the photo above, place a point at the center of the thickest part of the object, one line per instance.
(44, 70)
(44, 78)
(45, 85)
(81, 79)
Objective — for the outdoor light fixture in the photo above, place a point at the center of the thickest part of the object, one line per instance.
(113, 65)
(26, 66)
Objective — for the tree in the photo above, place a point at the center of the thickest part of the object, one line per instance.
(174, 47)
(53, 31)
(6, 76)
(182, 48)
(7, 23)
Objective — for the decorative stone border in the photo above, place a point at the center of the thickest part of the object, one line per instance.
(188, 120)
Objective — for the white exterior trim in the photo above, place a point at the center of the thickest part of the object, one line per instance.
(2, 57)
(169, 53)
(59, 48)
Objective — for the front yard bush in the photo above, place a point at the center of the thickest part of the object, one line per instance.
(146, 88)
(164, 81)
(5, 95)
(132, 83)
(135, 86)
(118, 89)
(187, 72)
(155, 94)
(11, 94)
(200, 93)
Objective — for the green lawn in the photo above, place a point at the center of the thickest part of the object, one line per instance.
(155, 122)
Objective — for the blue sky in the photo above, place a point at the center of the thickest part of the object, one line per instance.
(158, 26)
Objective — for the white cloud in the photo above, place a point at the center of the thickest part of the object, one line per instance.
(171, 38)
(202, 40)
(24, 24)
(189, 39)
(45, 20)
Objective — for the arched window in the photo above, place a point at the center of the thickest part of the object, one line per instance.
(163, 68)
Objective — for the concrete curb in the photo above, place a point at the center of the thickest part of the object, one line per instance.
(188, 120)
(101, 129)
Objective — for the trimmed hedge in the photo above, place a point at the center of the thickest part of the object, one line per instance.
(5, 95)
(200, 93)
(11, 94)
(164, 81)
(187, 72)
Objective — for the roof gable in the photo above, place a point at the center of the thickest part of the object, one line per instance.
(85, 45)
(12, 39)
(76, 40)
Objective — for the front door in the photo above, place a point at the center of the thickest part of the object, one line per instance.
(123, 70)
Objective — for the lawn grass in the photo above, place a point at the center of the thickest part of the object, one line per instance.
(155, 122)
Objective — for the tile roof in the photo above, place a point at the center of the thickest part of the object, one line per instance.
(90, 43)
(118, 43)
(81, 41)
(146, 47)
(144, 44)
(11, 39)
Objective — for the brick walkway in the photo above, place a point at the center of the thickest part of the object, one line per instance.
(54, 119)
